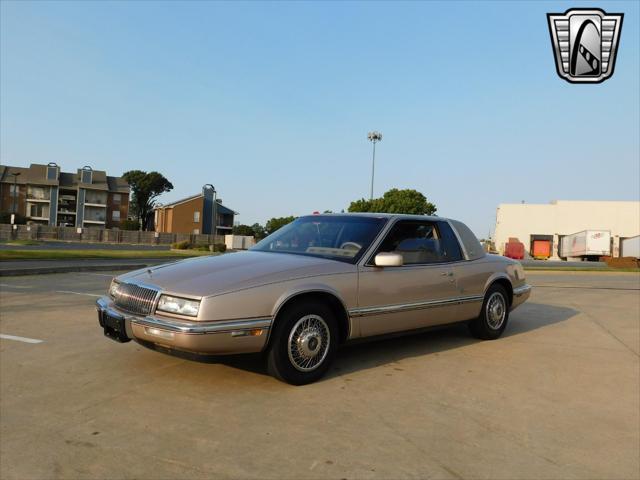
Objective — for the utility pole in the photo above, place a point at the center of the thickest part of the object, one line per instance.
(373, 138)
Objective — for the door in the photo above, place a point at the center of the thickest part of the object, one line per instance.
(420, 293)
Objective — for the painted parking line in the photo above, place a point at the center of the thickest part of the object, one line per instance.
(50, 291)
(20, 339)
(78, 293)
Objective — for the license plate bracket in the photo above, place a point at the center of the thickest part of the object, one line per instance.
(114, 327)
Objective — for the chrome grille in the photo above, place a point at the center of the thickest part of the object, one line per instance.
(134, 298)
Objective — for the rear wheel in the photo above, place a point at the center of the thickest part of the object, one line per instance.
(494, 315)
(304, 343)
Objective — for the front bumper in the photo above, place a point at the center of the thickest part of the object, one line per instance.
(520, 295)
(220, 338)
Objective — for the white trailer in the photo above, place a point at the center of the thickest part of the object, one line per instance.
(588, 243)
(630, 247)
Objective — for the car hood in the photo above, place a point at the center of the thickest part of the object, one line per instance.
(214, 275)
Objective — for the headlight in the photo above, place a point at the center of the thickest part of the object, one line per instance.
(113, 287)
(179, 306)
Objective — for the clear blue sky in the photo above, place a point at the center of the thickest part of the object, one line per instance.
(271, 102)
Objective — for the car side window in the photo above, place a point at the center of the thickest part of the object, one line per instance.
(419, 243)
(451, 245)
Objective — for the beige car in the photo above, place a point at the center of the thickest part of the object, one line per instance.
(315, 284)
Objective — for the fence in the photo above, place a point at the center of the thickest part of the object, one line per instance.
(100, 235)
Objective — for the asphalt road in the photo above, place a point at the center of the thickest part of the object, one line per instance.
(556, 397)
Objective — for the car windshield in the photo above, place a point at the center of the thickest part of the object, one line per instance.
(343, 238)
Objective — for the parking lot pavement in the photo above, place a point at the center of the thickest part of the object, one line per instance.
(556, 397)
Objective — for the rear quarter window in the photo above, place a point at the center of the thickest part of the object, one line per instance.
(469, 240)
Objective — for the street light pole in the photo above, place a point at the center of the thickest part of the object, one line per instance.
(373, 138)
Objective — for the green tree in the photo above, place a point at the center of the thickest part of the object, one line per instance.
(145, 188)
(276, 223)
(243, 230)
(407, 201)
(258, 231)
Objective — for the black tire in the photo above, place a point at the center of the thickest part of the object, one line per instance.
(287, 367)
(486, 325)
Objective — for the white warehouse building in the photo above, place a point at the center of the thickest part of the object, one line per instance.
(528, 222)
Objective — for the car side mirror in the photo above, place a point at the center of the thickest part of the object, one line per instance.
(388, 259)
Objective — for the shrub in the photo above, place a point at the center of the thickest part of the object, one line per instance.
(183, 245)
(220, 247)
(129, 225)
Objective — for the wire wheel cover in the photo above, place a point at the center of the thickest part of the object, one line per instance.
(496, 310)
(308, 343)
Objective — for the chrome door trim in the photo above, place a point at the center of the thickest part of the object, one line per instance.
(404, 307)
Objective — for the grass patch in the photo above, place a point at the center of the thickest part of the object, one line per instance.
(20, 243)
(6, 255)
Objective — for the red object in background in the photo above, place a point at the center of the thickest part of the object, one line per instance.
(514, 250)
(316, 213)
(541, 249)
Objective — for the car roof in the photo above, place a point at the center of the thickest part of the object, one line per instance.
(405, 216)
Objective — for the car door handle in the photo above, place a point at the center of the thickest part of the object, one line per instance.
(446, 274)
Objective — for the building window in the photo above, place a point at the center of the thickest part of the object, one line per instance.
(116, 199)
(95, 197)
(196, 217)
(38, 210)
(115, 215)
(196, 231)
(95, 214)
(14, 190)
(87, 175)
(38, 193)
(52, 171)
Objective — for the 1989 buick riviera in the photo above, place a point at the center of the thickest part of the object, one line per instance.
(315, 284)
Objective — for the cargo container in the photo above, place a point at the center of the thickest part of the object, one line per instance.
(630, 247)
(514, 249)
(541, 249)
(588, 244)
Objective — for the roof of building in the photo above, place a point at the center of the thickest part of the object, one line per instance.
(6, 174)
(36, 174)
(221, 208)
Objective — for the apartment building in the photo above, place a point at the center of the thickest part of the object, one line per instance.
(194, 214)
(45, 195)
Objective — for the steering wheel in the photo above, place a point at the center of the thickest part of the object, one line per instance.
(350, 246)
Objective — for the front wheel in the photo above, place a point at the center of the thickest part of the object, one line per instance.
(494, 315)
(304, 343)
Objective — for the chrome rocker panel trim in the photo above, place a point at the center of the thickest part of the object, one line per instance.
(403, 307)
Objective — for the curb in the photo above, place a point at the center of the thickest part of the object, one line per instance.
(70, 268)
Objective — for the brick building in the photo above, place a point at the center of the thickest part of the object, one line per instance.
(45, 195)
(194, 215)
